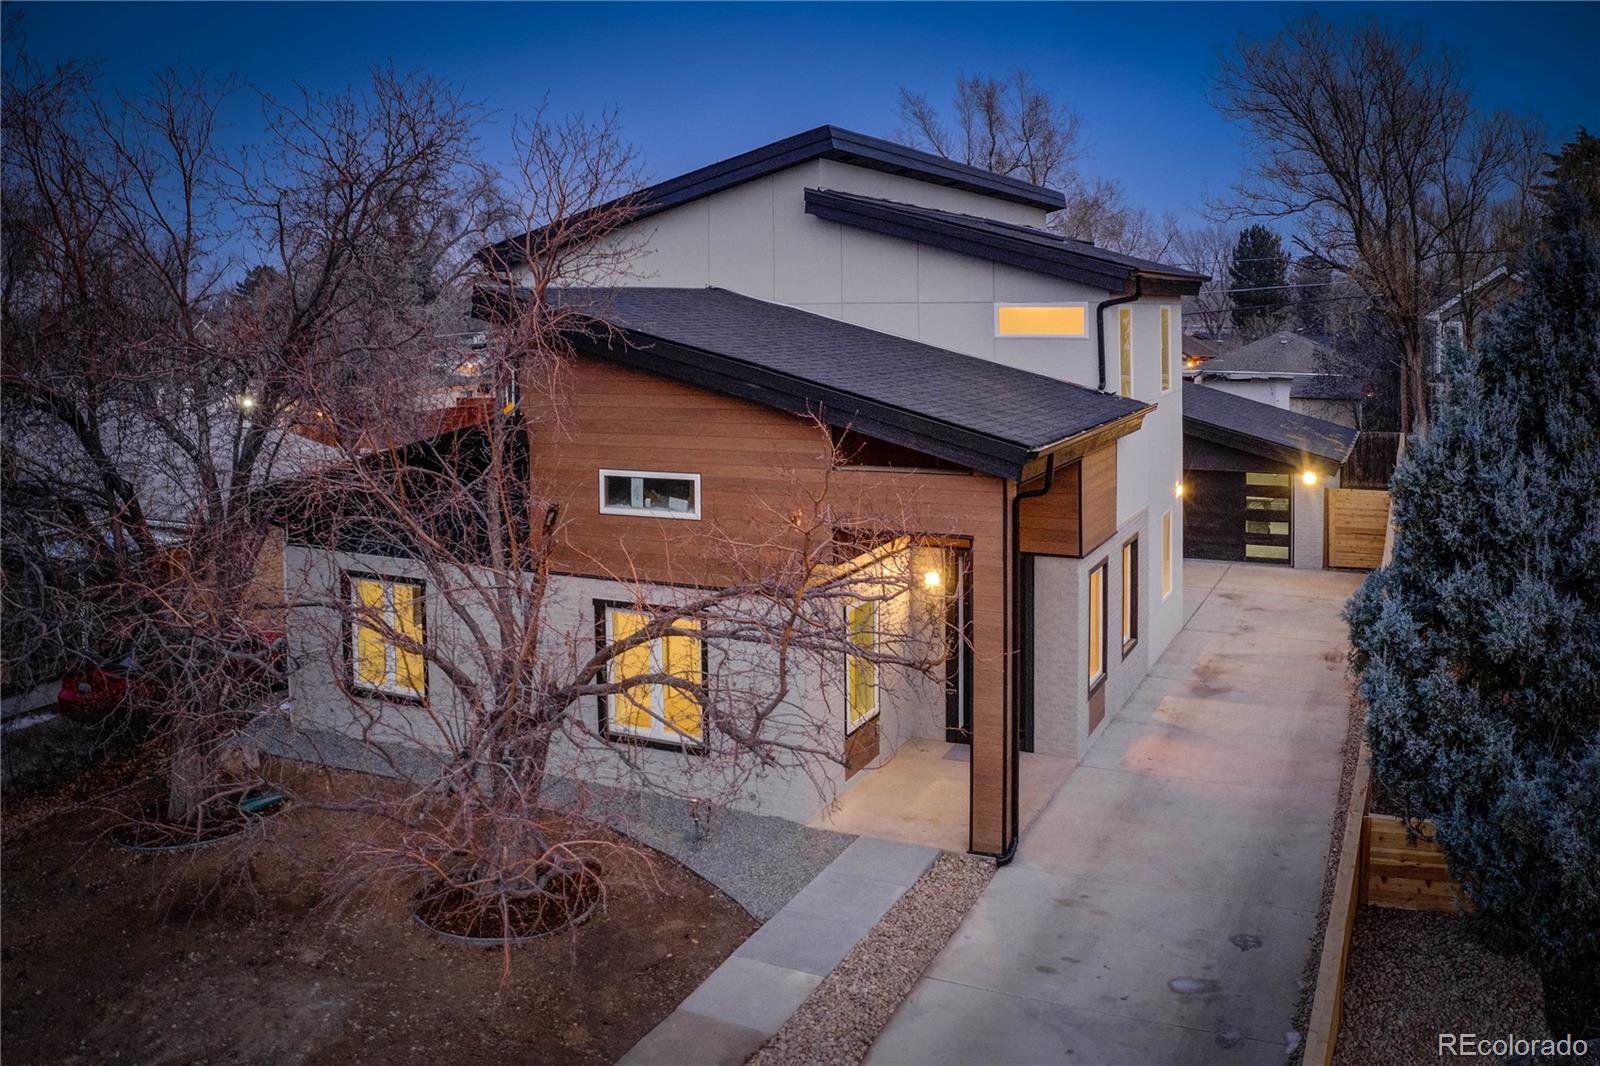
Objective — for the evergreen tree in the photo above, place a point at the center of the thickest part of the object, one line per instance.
(1259, 279)
(1478, 647)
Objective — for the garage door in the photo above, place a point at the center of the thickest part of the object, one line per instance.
(1237, 516)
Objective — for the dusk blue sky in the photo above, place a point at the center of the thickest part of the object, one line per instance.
(695, 83)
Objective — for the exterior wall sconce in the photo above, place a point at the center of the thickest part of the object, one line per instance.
(932, 579)
(247, 402)
(1309, 477)
(1177, 490)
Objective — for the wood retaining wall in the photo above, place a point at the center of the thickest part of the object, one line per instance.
(1400, 870)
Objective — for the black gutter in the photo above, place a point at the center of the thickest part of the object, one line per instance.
(1015, 686)
(1100, 321)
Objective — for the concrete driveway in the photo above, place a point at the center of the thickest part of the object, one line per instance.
(1161, 907)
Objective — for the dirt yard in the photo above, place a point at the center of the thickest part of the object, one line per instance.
(112, 956)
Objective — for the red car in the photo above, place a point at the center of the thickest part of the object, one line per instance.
(119, 686)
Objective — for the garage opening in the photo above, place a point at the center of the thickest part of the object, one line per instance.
(1238, 516)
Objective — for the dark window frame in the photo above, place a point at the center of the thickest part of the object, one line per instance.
(603, 700)
(1130, 573)
(353, 684)
(1097, 683)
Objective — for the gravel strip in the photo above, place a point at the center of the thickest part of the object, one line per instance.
(1349, 757)
(1413, 974)
(839, 1020)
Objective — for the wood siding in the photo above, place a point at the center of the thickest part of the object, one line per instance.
(757, 466)
(1078, 514)
(1356, 521)
(1099, 497)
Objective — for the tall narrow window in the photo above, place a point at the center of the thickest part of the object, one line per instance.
(1166, 554)
(1130, 595)
(861, 697)
(387, 634)
(1166, 349)
(659, 713)
(1097, 626)
(1125, 332)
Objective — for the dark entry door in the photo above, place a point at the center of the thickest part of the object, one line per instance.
(1237, 516)
(958, 666)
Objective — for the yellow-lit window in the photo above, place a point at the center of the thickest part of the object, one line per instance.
(1166, 554)
(1125, 335)
(1039, 320)
(1097, 625)
(1130, 595)
(387, 635)
(861, 673)
(654, 711)
(1166, 349)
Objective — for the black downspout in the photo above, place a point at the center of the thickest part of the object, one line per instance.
(1100, 321)
(1016, 650)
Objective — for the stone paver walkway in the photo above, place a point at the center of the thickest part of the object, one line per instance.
(757, 988)
(1161, 907)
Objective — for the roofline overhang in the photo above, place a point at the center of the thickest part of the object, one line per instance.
(1303, 458)
(785, 392)
(848, 209)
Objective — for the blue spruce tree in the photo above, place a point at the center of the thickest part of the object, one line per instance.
(1478, 647)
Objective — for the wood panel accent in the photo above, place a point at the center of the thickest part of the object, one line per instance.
(1051, 524)
(1327, 1005)
(1099, 497)
(860, 748)
(1356, 522)
(758, 465)
(1410, 874)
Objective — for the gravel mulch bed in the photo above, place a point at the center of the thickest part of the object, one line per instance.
(839, 1020)
(1413, 974)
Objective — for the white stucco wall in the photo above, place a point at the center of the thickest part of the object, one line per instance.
(1061, 628)
(1274, 391)
(812, 712)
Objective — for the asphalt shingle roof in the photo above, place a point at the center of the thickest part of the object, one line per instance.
(1267, 423)
(1282, 353)
(850, 370)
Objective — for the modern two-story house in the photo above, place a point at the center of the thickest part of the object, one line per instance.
(1018, 394)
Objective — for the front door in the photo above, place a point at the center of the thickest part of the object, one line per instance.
(958, 630)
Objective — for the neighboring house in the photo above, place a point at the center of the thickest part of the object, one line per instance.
(1287, 370)
(1197, 351)
(1457, 317)
(1254, 478)
(1015, 392)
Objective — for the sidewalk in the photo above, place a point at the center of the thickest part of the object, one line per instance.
(751, 995)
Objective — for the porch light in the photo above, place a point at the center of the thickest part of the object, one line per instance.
(1177, 489)
(932, 579)
(247, 402)
(1309, 477)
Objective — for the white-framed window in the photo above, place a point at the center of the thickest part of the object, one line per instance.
(387, 630)
(1097, 626)
(1125, 347)
(1166, 554)
(664, 714)
(1041, 320)
(650, 492)
(1166, 349)
(861, 673)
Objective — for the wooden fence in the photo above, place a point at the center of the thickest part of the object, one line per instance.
(1356, 523)
(1372, 460)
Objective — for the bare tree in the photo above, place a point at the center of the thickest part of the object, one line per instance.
(1369, 140)
(500, 657)
(147, 402)
(1207, 250)
(1013, 127)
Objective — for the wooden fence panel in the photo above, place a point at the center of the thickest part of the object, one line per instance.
(1408, 873)
(1355, 526)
